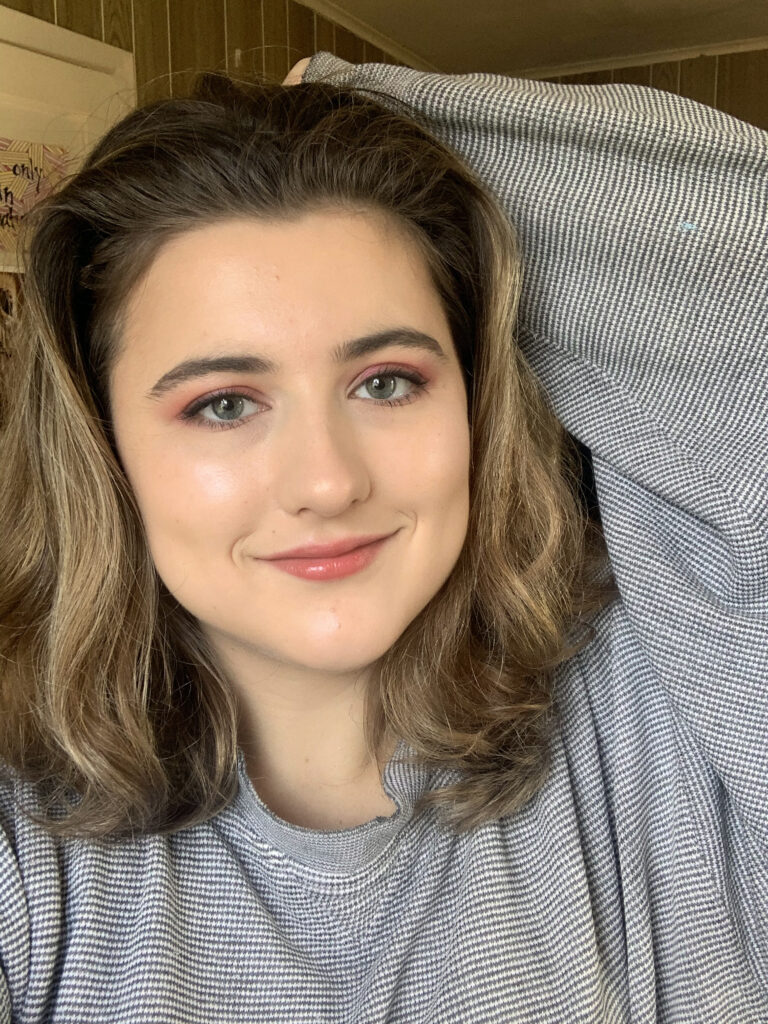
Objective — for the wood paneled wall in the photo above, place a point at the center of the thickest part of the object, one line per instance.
(173, 39)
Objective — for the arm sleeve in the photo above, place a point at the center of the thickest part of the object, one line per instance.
(642, 222)
(32, 919)
(5, 1000)
(14, 929)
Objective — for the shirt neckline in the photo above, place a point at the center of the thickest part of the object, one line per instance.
(337, 850)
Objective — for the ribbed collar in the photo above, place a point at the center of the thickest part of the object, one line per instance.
(342, 850)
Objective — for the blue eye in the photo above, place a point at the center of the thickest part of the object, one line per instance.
(417, 382)
(236, 398)
(379, 381)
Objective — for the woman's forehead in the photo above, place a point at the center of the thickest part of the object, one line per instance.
(227, 287)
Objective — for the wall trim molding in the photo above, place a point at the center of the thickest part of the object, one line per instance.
(363, 30)
(643, 59)
(330, 10)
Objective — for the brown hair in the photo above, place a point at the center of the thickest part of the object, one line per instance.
(112, 701)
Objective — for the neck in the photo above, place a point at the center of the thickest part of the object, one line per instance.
(303, 740)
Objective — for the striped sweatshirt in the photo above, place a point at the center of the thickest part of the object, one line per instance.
(633, 887)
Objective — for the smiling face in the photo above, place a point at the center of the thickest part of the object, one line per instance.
(232, 467)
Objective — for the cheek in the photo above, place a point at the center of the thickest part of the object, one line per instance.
(214, 484)
(436, 470)
(173, 479)
(186, 502)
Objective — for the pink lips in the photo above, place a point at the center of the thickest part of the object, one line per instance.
(337, 547)
(315, 567)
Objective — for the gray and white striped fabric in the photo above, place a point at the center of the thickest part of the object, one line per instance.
(634, 886)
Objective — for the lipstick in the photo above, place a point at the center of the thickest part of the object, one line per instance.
(337, 567)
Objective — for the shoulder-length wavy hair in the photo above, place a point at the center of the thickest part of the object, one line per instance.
(112, 701)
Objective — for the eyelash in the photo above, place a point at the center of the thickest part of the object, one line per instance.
(193, 412)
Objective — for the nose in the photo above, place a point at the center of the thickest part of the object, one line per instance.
(320, 462)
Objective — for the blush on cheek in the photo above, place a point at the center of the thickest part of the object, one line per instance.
(213, 483)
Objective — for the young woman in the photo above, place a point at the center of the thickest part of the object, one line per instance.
(459, 773)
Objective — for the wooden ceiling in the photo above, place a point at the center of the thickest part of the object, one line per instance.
(540, 37)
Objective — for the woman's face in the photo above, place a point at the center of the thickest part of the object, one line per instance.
(307, 452)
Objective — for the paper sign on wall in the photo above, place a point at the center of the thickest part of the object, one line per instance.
(29, 171)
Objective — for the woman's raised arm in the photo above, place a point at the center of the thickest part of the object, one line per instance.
(643, 219)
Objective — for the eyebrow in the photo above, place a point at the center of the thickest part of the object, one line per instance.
(355, 348)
